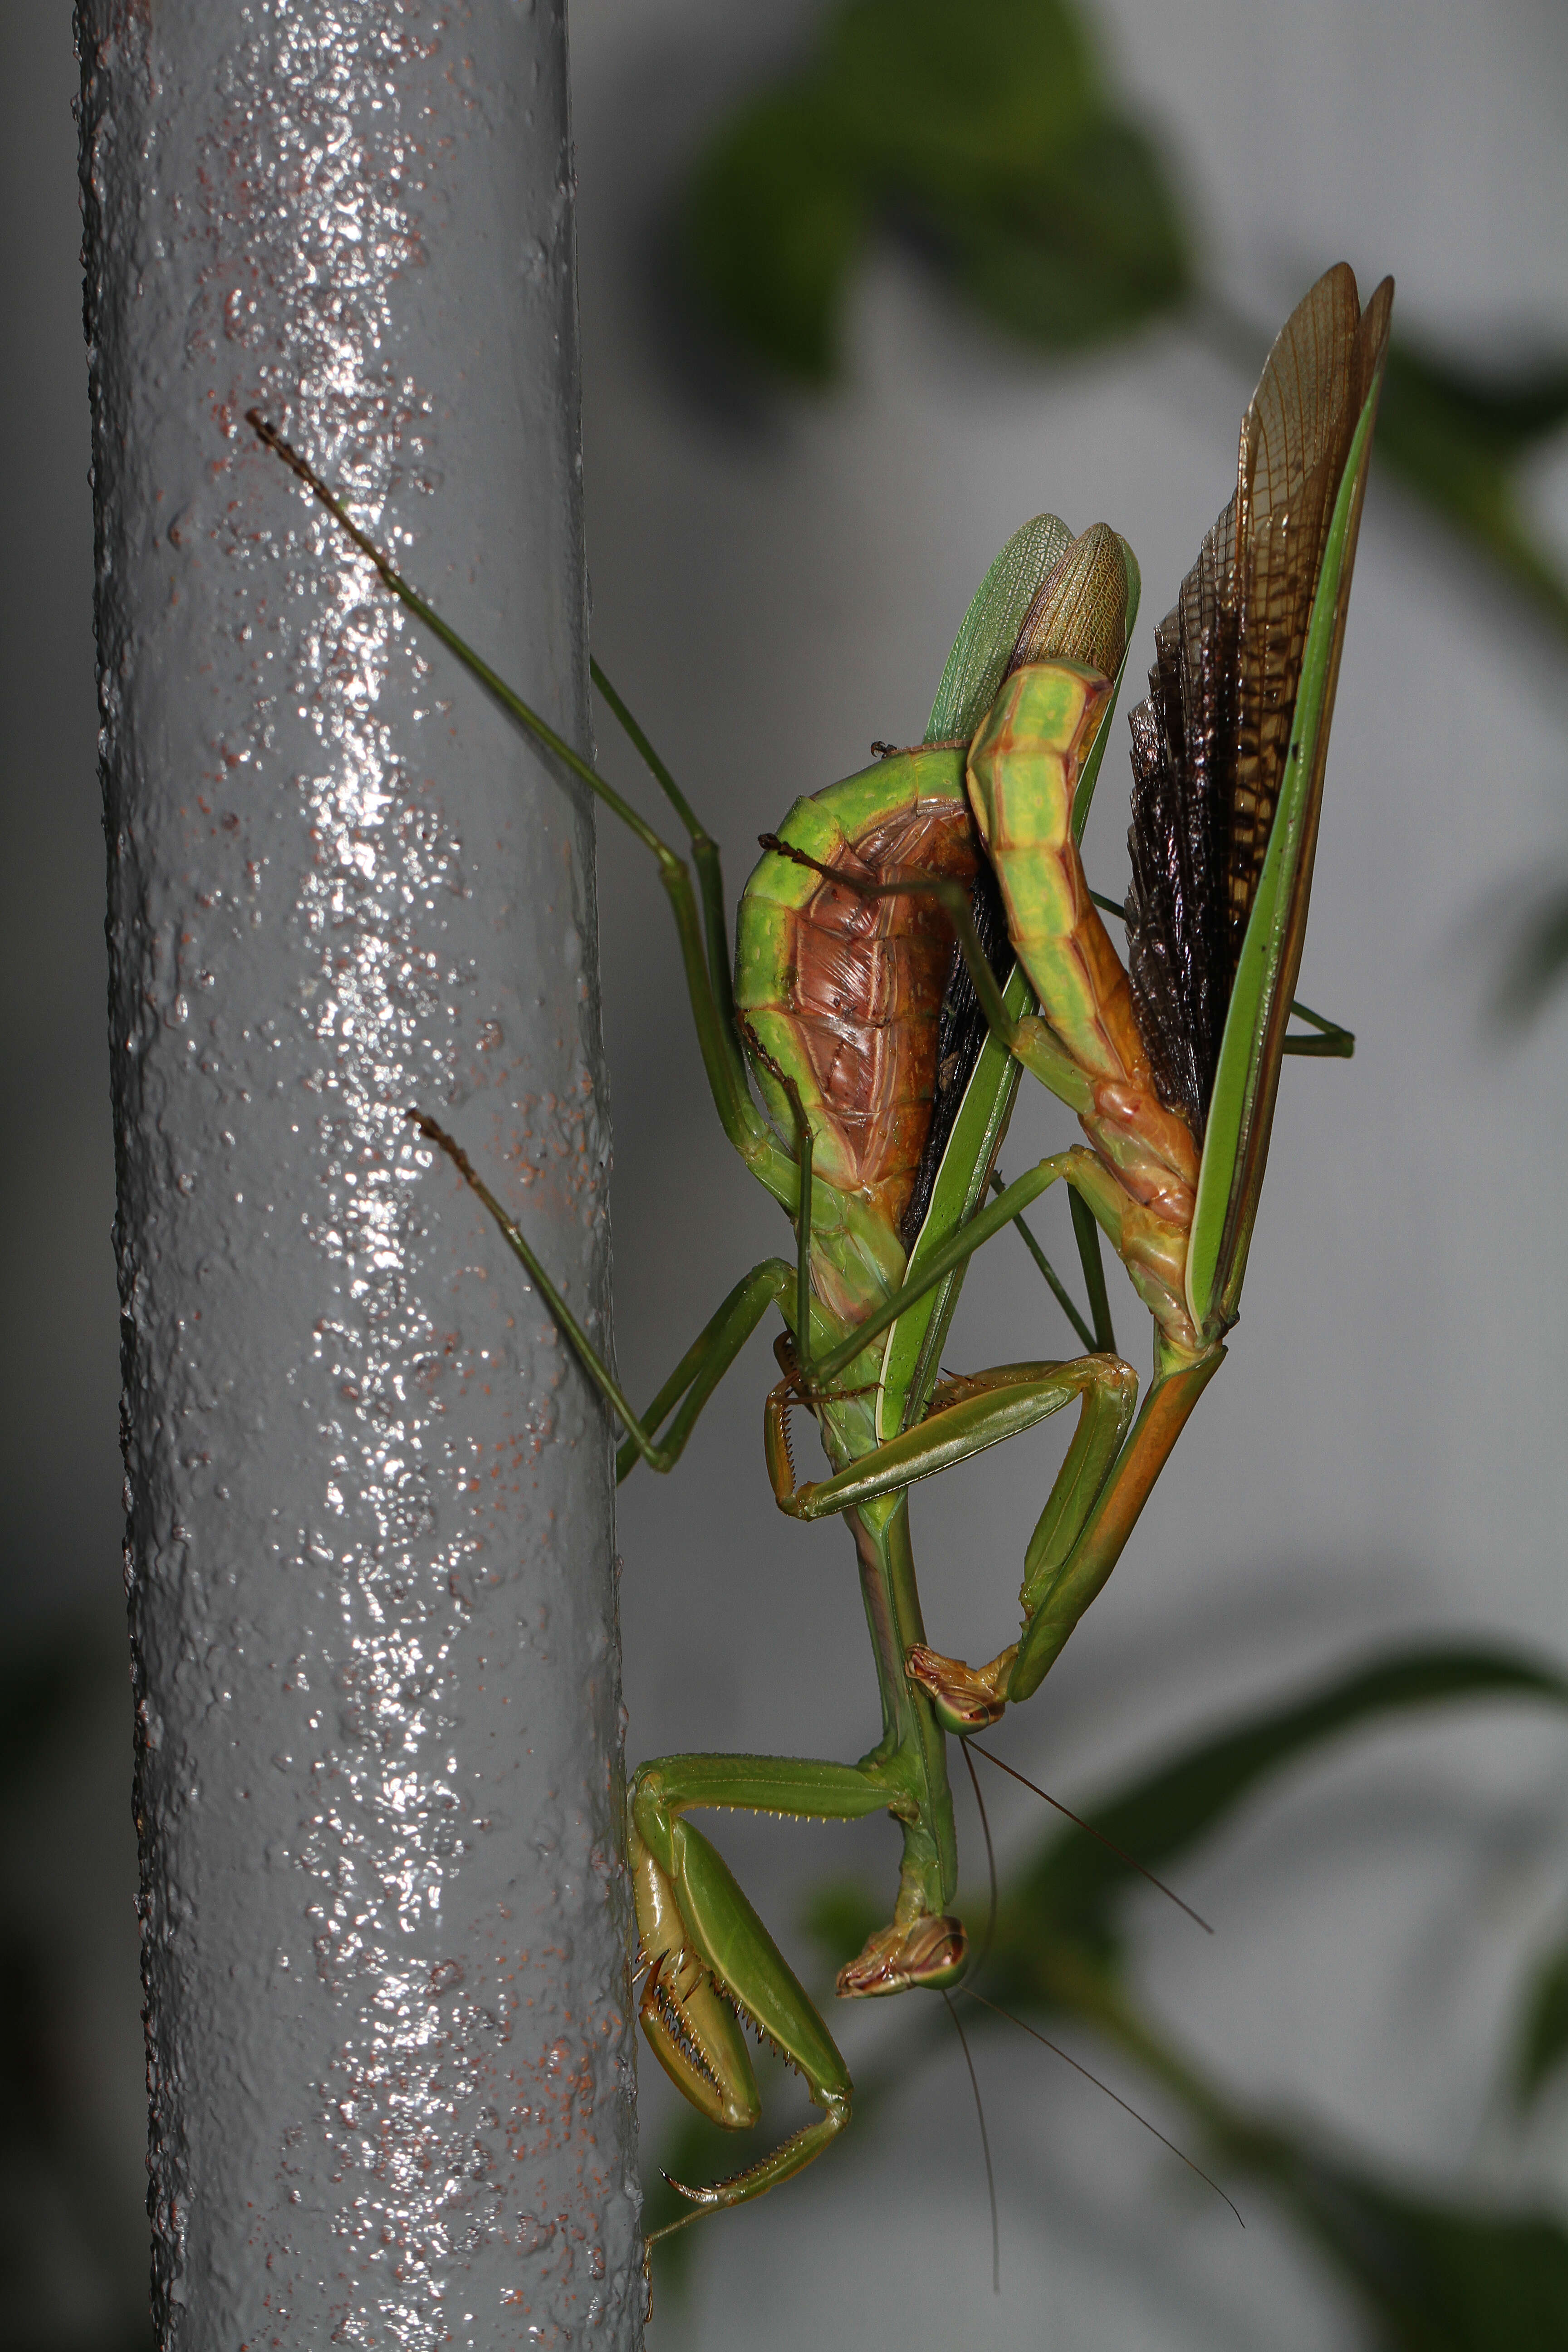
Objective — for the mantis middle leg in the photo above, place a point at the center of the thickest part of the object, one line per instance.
(1094, 1503)
(1078, 1540)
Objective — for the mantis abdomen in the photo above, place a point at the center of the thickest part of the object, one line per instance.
(1024, 768)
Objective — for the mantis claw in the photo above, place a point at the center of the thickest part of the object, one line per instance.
(789, 2157)
(704, 2198)
(713, 1969)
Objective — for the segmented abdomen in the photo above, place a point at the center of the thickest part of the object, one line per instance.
(843, 993)
(1024, 768)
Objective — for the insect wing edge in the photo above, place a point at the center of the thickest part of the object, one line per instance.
(1236, 1139)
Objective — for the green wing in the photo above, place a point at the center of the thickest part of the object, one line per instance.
(984, 646)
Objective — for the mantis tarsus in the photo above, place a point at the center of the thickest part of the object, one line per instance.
(913, 940)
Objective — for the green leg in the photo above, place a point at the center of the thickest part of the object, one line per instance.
(1071, 1556)
(1054, 1282)
(910, 1758)
(1088, 1176)
(1086, 1234)
(699, 1370)
(710, 1961)
(1090, 1512)
(703, 949)
(966, 1416)
(1081, 1535)
(708, 1952)
(905, 1774)
(702, 1368)
(704, 855)
(1101, 1338)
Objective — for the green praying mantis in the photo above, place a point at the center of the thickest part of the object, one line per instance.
(914, 940)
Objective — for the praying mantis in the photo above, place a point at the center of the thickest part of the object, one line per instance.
(914, 940)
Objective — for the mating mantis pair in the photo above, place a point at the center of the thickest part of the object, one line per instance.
(914, 940)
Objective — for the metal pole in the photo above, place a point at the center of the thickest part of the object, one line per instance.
(369, 1550)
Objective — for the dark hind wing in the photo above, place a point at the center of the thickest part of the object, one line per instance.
(1294, 439)
(1210, 744)
(1183, 754)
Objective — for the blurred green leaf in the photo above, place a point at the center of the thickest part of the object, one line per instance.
(1086, 247)
(773, 219)
(939, 95)
(991, 132)
(1436, 2274)
(986, 130)
(1537, 960)
(1456, 439)
(1543, 2028)
(1505, 414)
(1075, 1882)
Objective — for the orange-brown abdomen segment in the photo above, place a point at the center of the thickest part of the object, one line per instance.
(843, 992)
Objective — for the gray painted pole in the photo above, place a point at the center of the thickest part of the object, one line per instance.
(369, 1553)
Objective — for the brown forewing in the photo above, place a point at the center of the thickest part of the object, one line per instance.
(1209, 745)
(1294, 439)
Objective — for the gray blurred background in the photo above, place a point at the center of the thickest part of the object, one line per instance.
(776, 581)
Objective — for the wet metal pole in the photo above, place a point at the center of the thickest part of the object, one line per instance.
(369, 1551)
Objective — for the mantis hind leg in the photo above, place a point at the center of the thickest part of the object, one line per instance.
(1090, 1512)
(966, 1416)
(1071, 1554)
